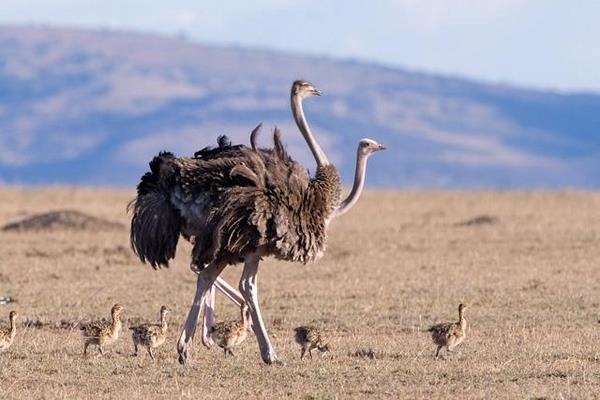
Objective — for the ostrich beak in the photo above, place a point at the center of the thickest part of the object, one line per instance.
(316, 92)
(380, 147)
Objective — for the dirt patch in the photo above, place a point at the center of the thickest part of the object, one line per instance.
(62, 219)
(479, 220)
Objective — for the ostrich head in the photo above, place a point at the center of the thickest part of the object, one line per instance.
(369, 146)
(13, 315)
(304, 89)
(164, 310)
(116, 309)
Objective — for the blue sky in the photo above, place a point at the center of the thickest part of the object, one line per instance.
(545, 44)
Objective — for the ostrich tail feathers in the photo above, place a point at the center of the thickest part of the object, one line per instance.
(155, 224)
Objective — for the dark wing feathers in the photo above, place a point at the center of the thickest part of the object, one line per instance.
(244, 176)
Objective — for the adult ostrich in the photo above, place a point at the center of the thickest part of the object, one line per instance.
(239, 205)
(366, 147)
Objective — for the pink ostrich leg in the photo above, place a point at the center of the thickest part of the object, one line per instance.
(209, 317)
(205, 280)
(249, 289)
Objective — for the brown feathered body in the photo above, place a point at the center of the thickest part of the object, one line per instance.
(102, 333)
(310, 338)
(450, 334)
(150, 336)
(230, 334)
(231, 201)
(7, 335)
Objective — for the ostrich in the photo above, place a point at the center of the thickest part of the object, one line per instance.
(310, 338)
(230, 334)
(102, 333)
(238, 205)
(150, 336)
(450, 334)
(365, 148)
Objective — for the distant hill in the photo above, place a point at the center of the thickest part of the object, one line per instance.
(92, 107)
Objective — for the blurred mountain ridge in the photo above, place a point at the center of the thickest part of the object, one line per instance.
(93, 107)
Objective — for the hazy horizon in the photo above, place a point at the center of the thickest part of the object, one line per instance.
(80, 106)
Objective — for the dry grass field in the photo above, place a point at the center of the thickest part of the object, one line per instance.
(396, 264)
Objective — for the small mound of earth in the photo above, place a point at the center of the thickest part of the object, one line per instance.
(62, 219)
(479, 220)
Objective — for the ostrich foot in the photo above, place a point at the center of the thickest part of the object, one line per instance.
(279, 362)
(207, 342)
(272, 359)
(184, 350)
(184, 360)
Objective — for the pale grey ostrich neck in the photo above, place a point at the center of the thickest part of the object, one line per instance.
(298, 112)
(357, 187)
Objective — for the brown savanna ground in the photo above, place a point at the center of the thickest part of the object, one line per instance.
(397, 263)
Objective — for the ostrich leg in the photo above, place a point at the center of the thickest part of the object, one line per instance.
(209, 317)
(249, 290)
(229, 291)
(206, 278)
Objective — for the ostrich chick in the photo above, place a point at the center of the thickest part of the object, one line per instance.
(150, 336)
(230, 334)
(309, 338)
(7, 335)
(450, 334)
(102, 333)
